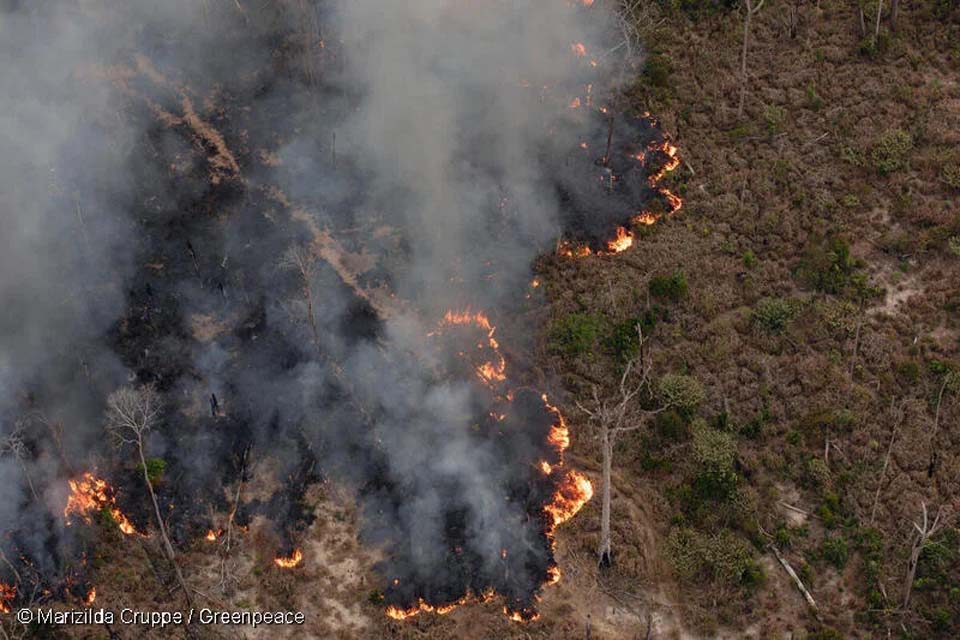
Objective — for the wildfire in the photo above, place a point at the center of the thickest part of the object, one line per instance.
(622, 242)
(90, 597)
(575, 492)
(211, 536)
(289, 562)
(579, 49)
(491, 371)
(7, 594)
(625, 238)
(89, 493)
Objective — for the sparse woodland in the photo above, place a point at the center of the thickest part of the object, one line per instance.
(811, 286)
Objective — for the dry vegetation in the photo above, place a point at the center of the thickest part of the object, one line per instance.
(811, 285)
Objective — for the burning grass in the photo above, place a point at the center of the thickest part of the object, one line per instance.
(89, 494)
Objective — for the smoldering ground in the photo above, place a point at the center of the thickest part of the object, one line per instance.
(265, 212)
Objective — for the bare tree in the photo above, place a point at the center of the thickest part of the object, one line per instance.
(925, 532)
(14, 445)
(131, 414)
(302, 261)
(899, 414)
(751, 8)
(950, 382)
(617, 416)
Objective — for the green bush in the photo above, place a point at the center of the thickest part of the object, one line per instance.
(673, 287)
(749, 259)
(715, 454)
(657, 71)
(575, 334)
(774, 314)
(623, 341)
(156, 467)
(890, 152)
(671, 426)
(683, 393)
(830, 267)
(723, 557)
(835, 551)
(950, 174)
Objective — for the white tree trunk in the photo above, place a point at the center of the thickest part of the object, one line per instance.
(605, 553)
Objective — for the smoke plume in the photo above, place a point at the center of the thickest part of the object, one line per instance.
(288, 219)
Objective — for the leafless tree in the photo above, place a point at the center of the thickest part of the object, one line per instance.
(616, 416)
(302, 261)
(751, 8)
(132, 412)
(14, 445)
(898, 414)
(926, 530)
(950, 382)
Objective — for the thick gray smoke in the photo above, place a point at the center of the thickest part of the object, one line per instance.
(266, 213)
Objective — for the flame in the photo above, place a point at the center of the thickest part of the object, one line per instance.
(554, 575)
(624, 238)
(289, 562)
(622, 242)
(7, 594)
(89, 493)
(423, 606)
(90, 597)
(579, 49)
(521, 616)
(492, 371)
(575, 492)
(211, 536)
(575, 103)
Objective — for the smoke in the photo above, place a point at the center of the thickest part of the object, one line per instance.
(266, 214)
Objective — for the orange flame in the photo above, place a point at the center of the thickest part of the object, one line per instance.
(211, 536)
(489, 372)
(579, 49)
(7, 594)
(89, 493)
(90, 597)
(289, 562)
(622, 242)
(625, 239)
(575, 492)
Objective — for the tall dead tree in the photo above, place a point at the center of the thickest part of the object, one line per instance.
(14, 445)
(950, 382)
(926, 530)
(751, 8)
(131, 414)
(616, 416)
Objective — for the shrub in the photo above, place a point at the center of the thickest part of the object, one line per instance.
(715, 454)
(749, 259)
(671, 426)
(575, 334)
(950, 174)
(723, 557)
(673, 287)
(657, 71)
(835, 551)
(623, 341)
(683, 393)
(953, 244)
(890, 152)
(774, 117)
(774, 314)
(828, 266)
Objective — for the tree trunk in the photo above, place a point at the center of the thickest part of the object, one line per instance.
(894, 5)
(167, 547)
(605, 554)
